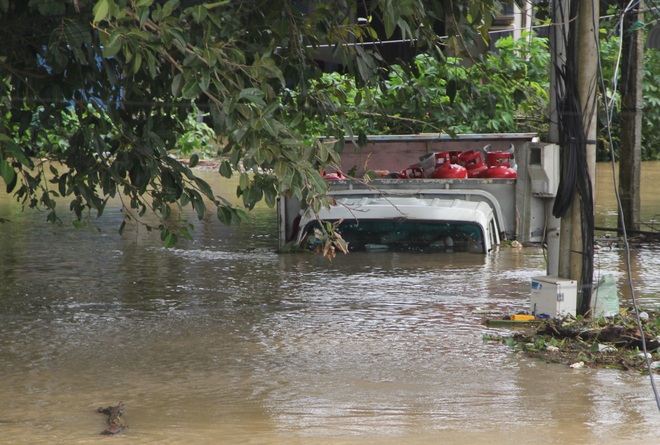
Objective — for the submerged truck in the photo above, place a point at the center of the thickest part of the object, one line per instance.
(417, 204)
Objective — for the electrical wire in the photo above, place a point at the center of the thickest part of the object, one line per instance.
(624, 233)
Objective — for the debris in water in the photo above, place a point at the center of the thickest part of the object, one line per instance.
(115, 421)
(603, 342)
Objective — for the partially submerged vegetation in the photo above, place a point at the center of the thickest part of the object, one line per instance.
(613, 342)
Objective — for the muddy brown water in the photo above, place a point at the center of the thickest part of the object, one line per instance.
(222, 340)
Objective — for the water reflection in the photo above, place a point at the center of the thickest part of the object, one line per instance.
(222, 340)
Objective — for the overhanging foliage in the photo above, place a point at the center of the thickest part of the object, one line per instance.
(102, 90)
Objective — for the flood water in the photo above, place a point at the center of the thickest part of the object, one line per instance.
(223, 340)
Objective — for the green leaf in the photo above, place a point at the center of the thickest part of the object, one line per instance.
(144, 15)
(281, 170)
(271, 128)
(170, 6)
(204, 187)
(363, 67)
(186, 232)
(170, 240)
(165, 212)
(205, 81)
(224, 215)
(178, 38)
(225, 169)
(177, 82)
(100, 10)
(317, 181)
(197, 203)
(137, 62)
(184, 199)
(15, 151)
(390, 17)
(296, 119)
(191, 89)
(244, 181)
(323, 152)
(113, 44)
(216, 4)
(7, 173)
(200, 13)
(270, 197)
(253, 95)
(194, 160)
(101, 207)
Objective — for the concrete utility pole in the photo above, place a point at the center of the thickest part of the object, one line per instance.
(589, 23)
(571, 243)
(631, 119)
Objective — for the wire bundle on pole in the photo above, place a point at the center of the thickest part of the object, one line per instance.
(575, 178)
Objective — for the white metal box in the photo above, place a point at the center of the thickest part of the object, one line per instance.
(553, 296)
(543, 169)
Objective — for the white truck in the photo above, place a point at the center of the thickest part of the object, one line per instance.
(432, 214)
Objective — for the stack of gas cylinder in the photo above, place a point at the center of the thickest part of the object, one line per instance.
(463, 164)
(454, 165)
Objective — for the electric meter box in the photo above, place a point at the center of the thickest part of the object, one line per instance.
(553, 296)
(543, 169)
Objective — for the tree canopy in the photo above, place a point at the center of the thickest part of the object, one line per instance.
(103, 89)
(506, 91)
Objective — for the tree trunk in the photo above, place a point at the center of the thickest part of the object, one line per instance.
(631, 122)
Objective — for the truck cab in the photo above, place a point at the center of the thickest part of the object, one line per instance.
(406, 223)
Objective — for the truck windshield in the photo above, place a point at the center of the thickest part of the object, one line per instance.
(405, 235)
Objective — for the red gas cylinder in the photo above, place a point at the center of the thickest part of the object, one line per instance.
(499, 166)
(333, 176)
(454, 156)
(473, 162)
(412, 172)
(444, 169)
